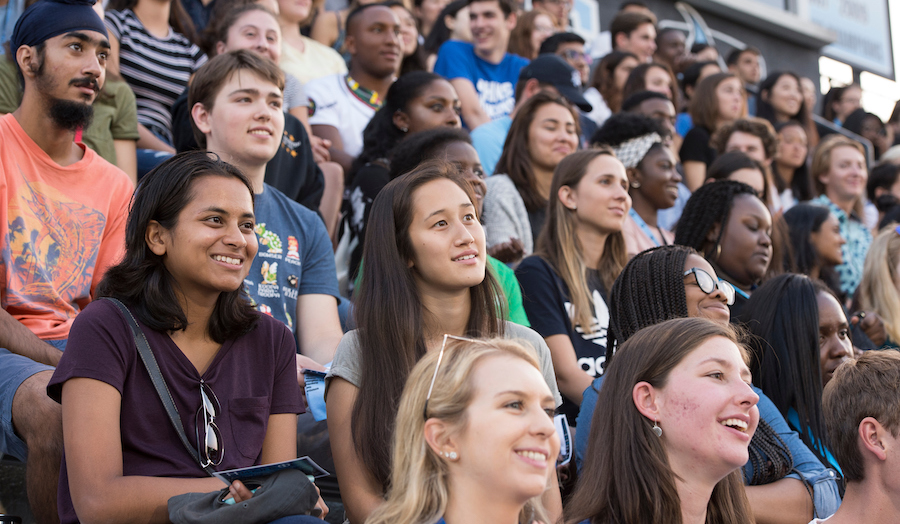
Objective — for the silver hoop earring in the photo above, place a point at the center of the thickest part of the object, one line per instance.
(656, 429)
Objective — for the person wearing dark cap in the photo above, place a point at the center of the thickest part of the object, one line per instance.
(63, 224)
(546, 72)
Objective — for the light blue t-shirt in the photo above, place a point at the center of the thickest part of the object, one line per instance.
(295, 257)
(488, 140)
(9, 14)
(495, 83)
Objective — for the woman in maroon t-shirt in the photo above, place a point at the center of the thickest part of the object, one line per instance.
(229, 370)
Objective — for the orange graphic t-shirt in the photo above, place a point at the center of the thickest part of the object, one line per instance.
(60, 229)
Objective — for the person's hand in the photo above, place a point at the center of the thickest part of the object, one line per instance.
(239, 491)
(320, 148)
(304, 362)
(320, 504)
(509, 251)
(872, 326)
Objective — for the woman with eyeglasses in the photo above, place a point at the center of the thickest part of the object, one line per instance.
(475, 440)
(671, 430)
(732, 228)
(579, 255)
(640, 143)
(229, 369)
(676, 282)
(424, 277)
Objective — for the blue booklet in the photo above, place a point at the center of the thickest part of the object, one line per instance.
(304, 464)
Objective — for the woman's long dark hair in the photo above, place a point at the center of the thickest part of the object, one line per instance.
(765, 110)
(626, 476)
(391, 317)
(440, 33)
(783, 316)
(802, 221)
(515, 160)
(381, 135)
(178, 17)
(141, 279)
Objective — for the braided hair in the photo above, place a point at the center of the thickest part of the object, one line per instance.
(710, 205)
(770, 458)
(647, 291)
(650, 290)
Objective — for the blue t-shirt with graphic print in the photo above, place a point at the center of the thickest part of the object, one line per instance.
(495, 83)
(295, 257)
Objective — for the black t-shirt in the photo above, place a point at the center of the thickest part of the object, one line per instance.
(292, 170)
(546, 300)
(695, 147)
(368, 182)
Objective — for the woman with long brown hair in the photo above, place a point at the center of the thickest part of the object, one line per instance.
(544, 130)
(650, 459)
(719, 100)
(579, 255)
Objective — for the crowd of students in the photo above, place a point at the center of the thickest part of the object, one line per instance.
(470, 227)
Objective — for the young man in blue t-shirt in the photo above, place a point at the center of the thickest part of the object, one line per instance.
(236, 112)
(482, 72)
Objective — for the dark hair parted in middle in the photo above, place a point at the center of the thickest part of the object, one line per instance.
(783, 316)
(391, 317)
(626, 476)
(141, 280)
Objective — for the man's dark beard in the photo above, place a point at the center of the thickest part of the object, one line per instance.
(71, 115)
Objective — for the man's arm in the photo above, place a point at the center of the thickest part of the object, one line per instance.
(318, 327)
(20, 340)
(472, 112)
(126, 158)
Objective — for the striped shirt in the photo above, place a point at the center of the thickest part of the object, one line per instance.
(156, 69)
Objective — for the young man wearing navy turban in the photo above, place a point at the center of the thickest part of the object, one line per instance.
(62, 223)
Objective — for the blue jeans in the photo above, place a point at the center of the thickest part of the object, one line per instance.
(14, 370)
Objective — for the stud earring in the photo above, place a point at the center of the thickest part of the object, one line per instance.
(636, 185)
(656, 429)
(450, 455)
(404, 129)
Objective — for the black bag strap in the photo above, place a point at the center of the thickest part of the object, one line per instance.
(159, 382)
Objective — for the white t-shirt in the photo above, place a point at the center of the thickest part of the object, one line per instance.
(332, 103)
(819, 521)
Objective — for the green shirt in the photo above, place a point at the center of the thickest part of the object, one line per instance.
(115, 118)
(515, 311)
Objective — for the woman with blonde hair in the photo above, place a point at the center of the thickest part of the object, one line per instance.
(879, 291)
(474, 437)
(840, 175)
